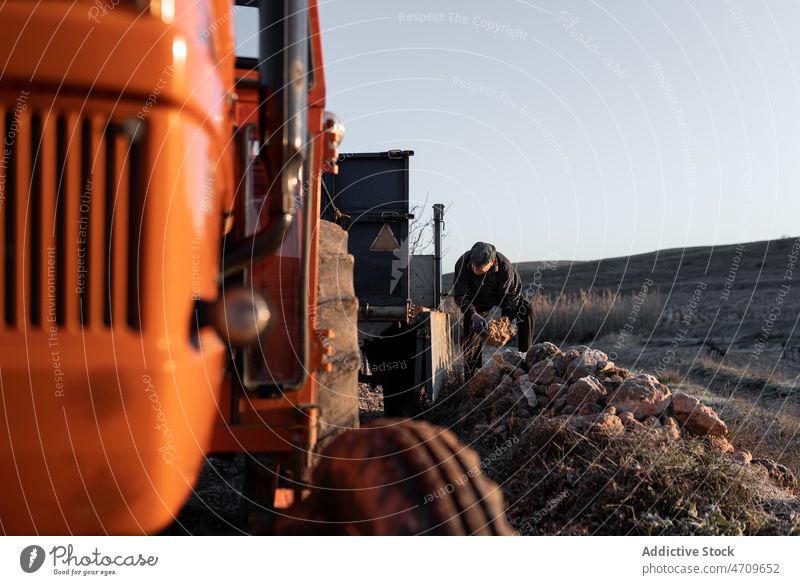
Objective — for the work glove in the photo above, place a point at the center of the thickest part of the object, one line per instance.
(479, 324)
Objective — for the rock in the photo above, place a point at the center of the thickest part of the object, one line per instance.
(522, 413)
(541, 390)
(720, 444)
(617, 374)
(604, 366)
(683, 403)
(614, 374)
(780, 474)
(514, 358)
(643, 395)
(610, 387)
(695, 417)
(541, 351)
(670, 428)
(744, 457)
(506, 386)
(499, 331)
(585, 364)
(487, 378)
(608, 424)
(528, 390)
(569, 356)
(585, 390)
(588, 409)
(574, 352)
(610, 409)
(555, 389)
(559, 364)
(628, 420)
(652, 422)
(503, 406)
(560, 403)
(625, 374)
(543, 372)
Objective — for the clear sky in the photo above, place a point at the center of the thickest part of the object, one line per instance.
(579, 130)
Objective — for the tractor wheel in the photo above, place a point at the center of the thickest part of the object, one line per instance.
(337, 389)
(337, 310)
(399, 477)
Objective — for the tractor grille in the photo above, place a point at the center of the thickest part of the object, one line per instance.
(71, 229)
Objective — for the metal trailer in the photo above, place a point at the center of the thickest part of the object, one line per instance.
(404, 336)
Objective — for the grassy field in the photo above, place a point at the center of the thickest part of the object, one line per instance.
(733, 341)
(584, 316)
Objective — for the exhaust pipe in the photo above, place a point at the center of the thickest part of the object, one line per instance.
(438, 224)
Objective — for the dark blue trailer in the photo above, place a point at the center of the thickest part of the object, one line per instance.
(403, 334)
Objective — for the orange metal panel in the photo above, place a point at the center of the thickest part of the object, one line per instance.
(97, 218)
(115, 452)
(56, 47)
(261, 437)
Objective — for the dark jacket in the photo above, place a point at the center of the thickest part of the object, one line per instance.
(501, 286)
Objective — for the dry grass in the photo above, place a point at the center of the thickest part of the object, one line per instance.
(584, 316)
(762, 418)
(632, 485)
(558, 479)
(766, 431)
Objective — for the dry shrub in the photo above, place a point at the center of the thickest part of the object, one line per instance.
(765, 426)
(670, 376)
(559, 479)
(767, 432)
(584, 316)
(761, 410)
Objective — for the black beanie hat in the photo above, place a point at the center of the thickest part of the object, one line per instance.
(481, 254)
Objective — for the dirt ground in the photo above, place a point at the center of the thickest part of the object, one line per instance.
(370, 402)
(759, 405)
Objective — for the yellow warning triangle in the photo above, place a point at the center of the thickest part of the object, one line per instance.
(385, 242)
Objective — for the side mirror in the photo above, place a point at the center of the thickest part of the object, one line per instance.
(283, 79)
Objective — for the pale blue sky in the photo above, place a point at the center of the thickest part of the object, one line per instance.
(579, 130)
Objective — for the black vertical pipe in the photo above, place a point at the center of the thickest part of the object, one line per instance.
(438, 222)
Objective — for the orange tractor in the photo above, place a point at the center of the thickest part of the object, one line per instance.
(169, 290)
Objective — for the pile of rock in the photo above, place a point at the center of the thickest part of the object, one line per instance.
(595, 395)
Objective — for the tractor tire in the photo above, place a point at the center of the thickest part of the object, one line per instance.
(337, 310)
(337, 387)
(399, 477)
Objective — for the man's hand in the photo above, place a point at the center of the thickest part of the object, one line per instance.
(479, 324)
